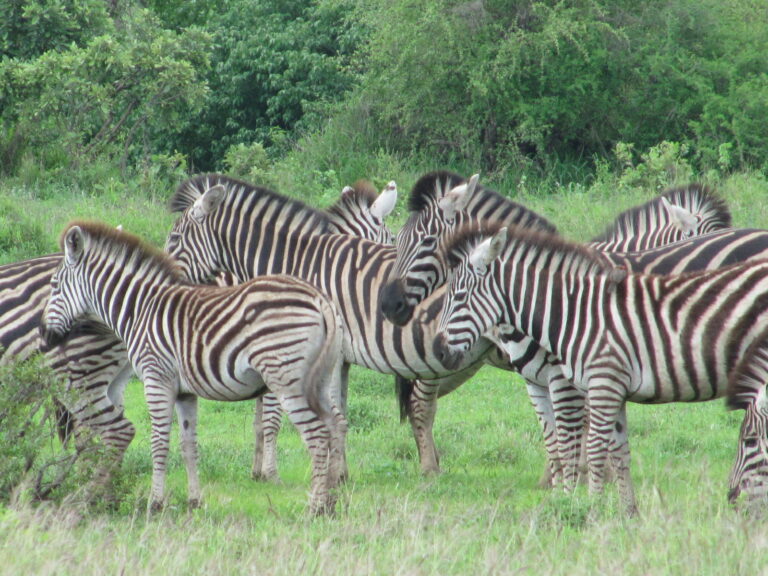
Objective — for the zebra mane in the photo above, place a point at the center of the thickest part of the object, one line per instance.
(433, 186)
(532, 245)
(237, 190)
(696, 198)
(363, 194)
(749, 376)
(113, 242)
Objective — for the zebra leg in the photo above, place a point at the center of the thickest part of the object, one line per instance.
(186, 412)
(568, 405)
(423, 406)
(542, 405)
(607, 434)
(620, 460)
(267, 419)
(160, 401)
(339, 384)
(316, 436)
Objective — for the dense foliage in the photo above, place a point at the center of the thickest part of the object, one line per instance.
(508, 86)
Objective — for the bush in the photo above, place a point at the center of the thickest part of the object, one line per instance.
(32, 464)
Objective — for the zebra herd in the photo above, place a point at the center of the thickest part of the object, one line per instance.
(664, 307)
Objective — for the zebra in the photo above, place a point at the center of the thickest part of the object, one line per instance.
(231, 226)
(747, 391)
(619, 336)
(442, 202)
(92, 362)
(219, 343)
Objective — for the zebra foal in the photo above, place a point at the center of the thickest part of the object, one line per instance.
(619, 337)
(276, 333)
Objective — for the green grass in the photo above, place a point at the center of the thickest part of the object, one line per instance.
(483, 515)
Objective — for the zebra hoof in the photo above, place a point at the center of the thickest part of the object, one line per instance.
(194, 503)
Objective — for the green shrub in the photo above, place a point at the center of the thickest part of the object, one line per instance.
(32, 464)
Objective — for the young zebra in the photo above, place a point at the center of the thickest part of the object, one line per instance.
(620, 337)
(276, 333)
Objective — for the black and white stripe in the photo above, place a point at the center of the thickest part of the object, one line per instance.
(361, 212)
(619, 337)
(275, 333)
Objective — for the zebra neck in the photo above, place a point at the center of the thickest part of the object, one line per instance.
(542, 303)
(118, 298)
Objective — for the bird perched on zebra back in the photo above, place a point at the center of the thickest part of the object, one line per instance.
(619, 336)
(276, 333)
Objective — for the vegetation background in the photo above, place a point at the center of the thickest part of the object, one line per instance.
(578, 109)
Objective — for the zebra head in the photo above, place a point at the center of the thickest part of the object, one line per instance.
(469, 308)
(436, 203)
(360, 212)
(747, 391)
(67, 302)
(189, 240)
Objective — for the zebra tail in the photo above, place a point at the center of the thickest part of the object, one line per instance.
(404, 391)
(321, 372)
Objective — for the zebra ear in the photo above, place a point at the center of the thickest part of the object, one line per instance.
(457, 198)
(74, 244)
(681, 218)
(488, 251)
(208, 202)
(386, 201)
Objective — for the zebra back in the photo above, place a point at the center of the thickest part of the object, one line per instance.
(675, 215)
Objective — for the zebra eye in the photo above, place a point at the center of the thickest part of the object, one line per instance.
(429, 242)
(750, 442)
(460, 296)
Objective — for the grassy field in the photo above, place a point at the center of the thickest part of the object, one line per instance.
(483, 515)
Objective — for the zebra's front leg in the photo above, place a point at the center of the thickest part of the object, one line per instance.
(267, 419)
(160, 401)
(423, 406)
(186, 412)
(607, 436)
(568, 405)
(542, 405)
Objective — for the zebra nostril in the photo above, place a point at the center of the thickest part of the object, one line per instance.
(465, 347)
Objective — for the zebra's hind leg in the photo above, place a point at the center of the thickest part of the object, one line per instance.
(317, 437)
(186, 412)
(267, 419)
